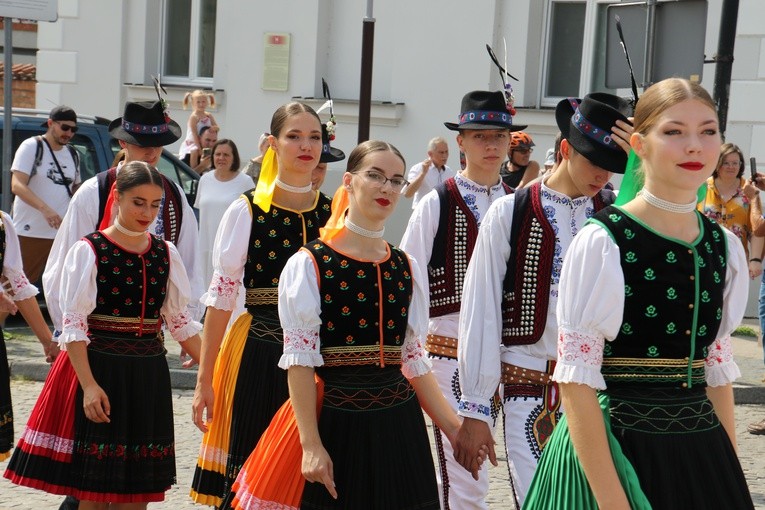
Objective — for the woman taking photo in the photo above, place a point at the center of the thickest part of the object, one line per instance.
(239, 385)
(354, 311)
(102, 428)
(649, 294)
(734, 202)
(216, 191)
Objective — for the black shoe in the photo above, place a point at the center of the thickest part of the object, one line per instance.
(70, 503)
(757, 428)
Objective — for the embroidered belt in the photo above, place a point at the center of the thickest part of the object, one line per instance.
(441, 346)
(513, 374)
(124, 325)
(262, 296)
(128, 347)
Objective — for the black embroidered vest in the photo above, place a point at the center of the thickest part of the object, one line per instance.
(131, 287)
(672, 306)
(274, 237)
(526, 289)
(364, 306)
(452, 249)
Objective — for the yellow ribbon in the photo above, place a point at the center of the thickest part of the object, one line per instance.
(264, 191)
(336, 220)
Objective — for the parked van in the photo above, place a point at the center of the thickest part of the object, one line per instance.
(96, 147)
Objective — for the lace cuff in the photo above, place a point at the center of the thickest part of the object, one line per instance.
(580, 356)
(416, 367)
(20, 286)
(222, 292)
(300, 359)
(720, 368)
(478, 408)
(301, 347)
(75, 328)
(182, 326)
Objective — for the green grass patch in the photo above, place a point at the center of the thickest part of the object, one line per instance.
(746, 331)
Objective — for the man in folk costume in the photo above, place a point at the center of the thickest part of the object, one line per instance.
(142, 131)
(441, 232)
(508, 332)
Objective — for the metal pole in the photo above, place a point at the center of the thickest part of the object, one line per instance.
(650, 25)
(5, 204)
(367, 54)
(724, 59)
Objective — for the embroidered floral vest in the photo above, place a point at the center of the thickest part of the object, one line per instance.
(673, 303)
(274, 237)
(364, 306)
(131, 287)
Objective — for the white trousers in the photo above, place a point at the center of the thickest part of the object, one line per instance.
(456, 487)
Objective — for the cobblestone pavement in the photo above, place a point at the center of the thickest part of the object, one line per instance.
(28, 369)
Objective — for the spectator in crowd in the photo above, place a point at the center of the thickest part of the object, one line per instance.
(431, 172)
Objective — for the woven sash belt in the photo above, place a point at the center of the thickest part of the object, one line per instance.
(441, 346)
(512, 374)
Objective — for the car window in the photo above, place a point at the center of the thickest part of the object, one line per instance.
(88, 158)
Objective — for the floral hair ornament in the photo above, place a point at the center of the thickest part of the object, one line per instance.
(264, 191)
(336, 221)
(332, 122)
(504, 75)
(158, 87)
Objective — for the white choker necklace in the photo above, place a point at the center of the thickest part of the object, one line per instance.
(372, 234)
(131, 233)
(666, 205)
(294, 189)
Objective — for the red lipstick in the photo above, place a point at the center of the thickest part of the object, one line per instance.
(694, 166)
(383, 202)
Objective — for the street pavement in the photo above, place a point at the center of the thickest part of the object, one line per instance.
(28, 369)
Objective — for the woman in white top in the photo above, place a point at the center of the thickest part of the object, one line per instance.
(102, 428)
(649, 295)
(216, 191)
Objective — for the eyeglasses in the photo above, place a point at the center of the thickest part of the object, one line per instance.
(732, 163)
(66, 127)
(378, 180)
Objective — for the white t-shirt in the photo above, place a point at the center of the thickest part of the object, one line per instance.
(213, 198)
(46, 183)
(433, 178)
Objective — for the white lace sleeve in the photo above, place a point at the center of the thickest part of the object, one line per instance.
(590, 306)
(299, 312)
(13, 267)
(720, 368)
(78, 293)
(175, 309)
(414, 362)
(229, 256)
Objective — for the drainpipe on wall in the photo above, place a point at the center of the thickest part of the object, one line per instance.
(724, 59)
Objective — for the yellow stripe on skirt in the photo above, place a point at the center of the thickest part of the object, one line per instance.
(214, 449)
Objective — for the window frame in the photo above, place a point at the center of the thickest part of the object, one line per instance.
(589, 46)
(192, 78)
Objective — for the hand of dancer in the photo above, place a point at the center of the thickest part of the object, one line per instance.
(51, 350)
(7, 304)
(622, 132)
(473, 438)
(186, 360)
(317, 467)
(203, 403)
(95, 403)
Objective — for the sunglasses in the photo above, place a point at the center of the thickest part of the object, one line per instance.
(66, 127)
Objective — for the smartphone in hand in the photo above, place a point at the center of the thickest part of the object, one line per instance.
(753, 168)
(206, 152)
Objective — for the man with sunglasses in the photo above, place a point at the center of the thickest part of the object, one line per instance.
(45, 175)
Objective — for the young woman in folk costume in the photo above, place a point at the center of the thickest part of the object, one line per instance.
(354, 311)
(649, 294)
(239, 385)
(102, 428)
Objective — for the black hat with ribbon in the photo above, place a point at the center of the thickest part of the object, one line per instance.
(329, 154)
(145, 124)
(586, 124)
(482, 109)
